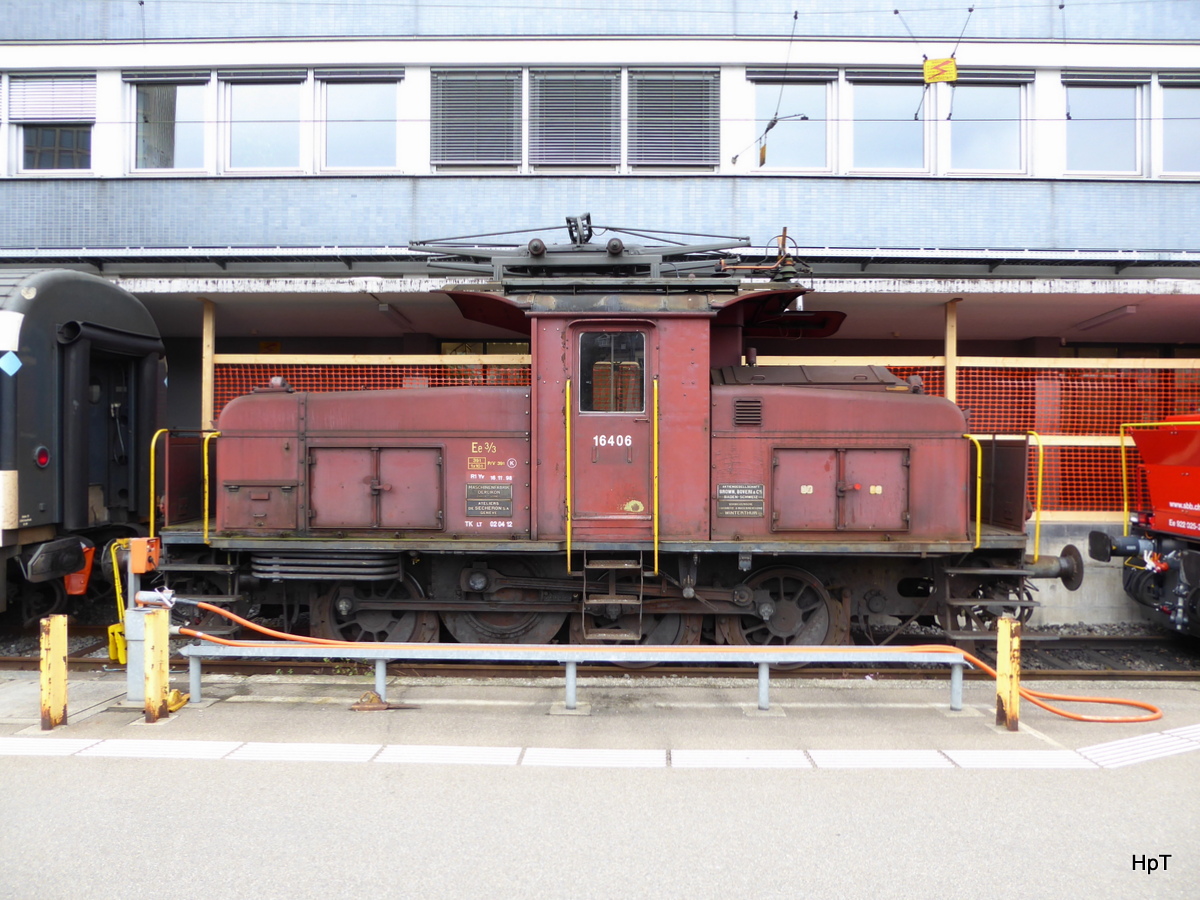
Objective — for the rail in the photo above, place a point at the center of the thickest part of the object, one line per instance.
(978, 488)
(570, 656)
(204, 455)
(153, 476)
(570, 496)
(1037, 515)
(655, 466)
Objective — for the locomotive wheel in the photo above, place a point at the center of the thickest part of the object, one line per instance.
(804, 614)
(503, 627)
(46, 598)
(367, 611)
(669, 628)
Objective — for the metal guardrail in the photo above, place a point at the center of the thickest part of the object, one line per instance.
(570, 656)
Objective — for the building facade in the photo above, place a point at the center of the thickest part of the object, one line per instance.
(1026, 235)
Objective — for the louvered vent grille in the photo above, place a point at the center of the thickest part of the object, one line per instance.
(747, 412)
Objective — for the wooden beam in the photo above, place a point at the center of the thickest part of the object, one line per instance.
(355, 359)
(951, 350)
(986, 362)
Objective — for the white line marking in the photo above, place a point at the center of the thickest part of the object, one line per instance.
(30, 746)
(450, 756)
(162, 749)
(1191, 732)
(880, 759)
(305, 752)
(739, 759)
(1139, 749)
(1112, 754)
(1019, 759)
(562, 756)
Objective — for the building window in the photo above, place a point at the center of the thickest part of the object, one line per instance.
(263, 112)
(1181, 129)
(1103, 131)
(360, 118)
(985, 127)
(791, 123)
(476, 118)
(674, 118)
(889, 125)
(57, 147)
(170, 126)
(575, 118)
(55, 114)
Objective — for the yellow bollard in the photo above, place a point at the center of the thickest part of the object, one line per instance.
(54, 671)
(1008, 672)
(157, 648)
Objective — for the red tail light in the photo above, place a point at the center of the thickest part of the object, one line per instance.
(41, 456)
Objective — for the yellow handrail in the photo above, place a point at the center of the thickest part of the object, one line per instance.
(153, 480)
(569, 496)
(978, 488)
(1125, 467)
(655, 474)
(1037, 509)
(208, 437)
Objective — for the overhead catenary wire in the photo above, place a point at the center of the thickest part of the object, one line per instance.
(1038, 698)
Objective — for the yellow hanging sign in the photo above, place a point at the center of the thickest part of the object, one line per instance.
(941, 70)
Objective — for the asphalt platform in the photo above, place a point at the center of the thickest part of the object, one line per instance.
(654, 787)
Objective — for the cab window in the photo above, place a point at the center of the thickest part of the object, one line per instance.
(612, 371)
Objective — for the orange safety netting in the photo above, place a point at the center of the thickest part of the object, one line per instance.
(233, 380)
(1073, 401)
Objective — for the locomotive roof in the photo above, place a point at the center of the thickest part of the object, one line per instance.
(762, 311)
(645, 273)
(593, 258)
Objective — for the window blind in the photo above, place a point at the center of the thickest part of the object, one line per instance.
(575, 118)
(476, 117)
(674, 117)
(53, 99)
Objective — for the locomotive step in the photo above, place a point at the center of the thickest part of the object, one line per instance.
(612, 564)
(224, 568)
(612, 599)
(612, 634)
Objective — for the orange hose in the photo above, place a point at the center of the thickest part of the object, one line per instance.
(1034, 697)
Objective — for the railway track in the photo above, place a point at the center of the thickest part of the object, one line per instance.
(1111, 658)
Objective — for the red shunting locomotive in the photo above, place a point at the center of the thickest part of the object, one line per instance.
(650, 484)
(1161, 551)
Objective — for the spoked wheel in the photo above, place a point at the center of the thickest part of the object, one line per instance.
(47, 598)
(367, 611)
(503, 627)
(669, 628)
(804, 614)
